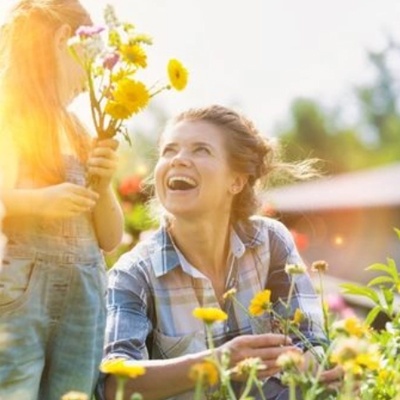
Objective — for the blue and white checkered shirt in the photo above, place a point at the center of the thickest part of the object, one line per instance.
(153, 290)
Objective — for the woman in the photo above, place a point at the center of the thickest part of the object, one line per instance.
(210, 162)
(52, 281)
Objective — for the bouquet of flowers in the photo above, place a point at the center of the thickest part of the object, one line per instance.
(112, 56)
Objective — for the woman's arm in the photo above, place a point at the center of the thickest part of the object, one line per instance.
(163, 378)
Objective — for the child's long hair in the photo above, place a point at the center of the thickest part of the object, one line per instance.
(31, 110)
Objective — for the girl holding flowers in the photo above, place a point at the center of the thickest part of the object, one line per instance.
(52, 281)
(210, 246)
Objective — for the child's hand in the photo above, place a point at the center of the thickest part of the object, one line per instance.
(64, 200)
(103, 162)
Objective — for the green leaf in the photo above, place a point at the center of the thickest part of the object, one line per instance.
(359, 290)
(397, 232)
(389, 269)
(389, 297)
(370, 318)
(379, 280)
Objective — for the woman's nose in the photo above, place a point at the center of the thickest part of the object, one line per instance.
(180, 159)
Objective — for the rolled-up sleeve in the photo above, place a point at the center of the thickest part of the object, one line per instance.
(128, 309)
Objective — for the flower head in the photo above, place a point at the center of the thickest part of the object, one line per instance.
(351, 326)
(178, 74)
(209, 314)
(246, 366)
(229, 293)
(134, 54)
(206, 372)
(86, 31)
(319, 266)
(295, 269)
(129, 98)
(298, 317)
(356, 355)
(122, 367)
(260, 303)
(290, 360)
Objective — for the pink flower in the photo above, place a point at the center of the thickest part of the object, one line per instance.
(86, 31)
(110, 60)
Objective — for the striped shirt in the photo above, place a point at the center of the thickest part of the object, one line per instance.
(153, 290)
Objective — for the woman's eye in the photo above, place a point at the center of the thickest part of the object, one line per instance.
(167, 151)
(202, 149)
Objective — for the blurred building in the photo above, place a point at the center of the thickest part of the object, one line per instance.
(347, 220)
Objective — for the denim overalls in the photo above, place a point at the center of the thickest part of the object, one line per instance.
(52, 303)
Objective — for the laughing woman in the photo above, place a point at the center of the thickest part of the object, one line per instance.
(210, 241)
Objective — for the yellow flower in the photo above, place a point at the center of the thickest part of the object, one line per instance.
(246, 366)
(290, 360)
(134, 54)
(229, 293)
(117, 110)
(351, 326)
(298, 317)
(75, 396)
(129, 98)
(356, 355)
(206, 372)
(122, 367)
(260, 303)
(209, 315)
(295, 269)
(178, 74)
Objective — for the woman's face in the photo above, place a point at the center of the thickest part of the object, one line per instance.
(193, 178)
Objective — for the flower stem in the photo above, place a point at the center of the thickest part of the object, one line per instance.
(120, 388)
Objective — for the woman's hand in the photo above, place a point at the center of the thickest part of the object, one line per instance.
(63, 200)
(103, 162)
(268, 347)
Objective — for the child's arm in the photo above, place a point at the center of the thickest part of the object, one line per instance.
(108, 216)
(62, 200)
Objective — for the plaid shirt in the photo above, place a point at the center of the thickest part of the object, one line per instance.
(153, 290)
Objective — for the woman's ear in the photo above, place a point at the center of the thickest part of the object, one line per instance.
(238, 183)
(62, 34)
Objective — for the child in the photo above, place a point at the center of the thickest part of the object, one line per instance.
(52, 282)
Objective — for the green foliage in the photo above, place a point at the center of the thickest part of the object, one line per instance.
(372, 140)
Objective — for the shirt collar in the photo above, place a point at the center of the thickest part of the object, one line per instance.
(166, 257)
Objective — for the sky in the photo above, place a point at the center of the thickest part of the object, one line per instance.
(260, 55)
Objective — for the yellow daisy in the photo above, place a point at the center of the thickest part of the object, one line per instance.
(178, 74)
(206, 372)
(117, 110)
(298, 317)
(134, 54)
(122, 367)
(209, 314)
(260, 303)
(133, 95)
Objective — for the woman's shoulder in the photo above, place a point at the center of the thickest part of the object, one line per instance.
(269, 225)
(142, 257)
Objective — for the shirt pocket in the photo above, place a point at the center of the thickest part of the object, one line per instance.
(17, 278)
(175, 346)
